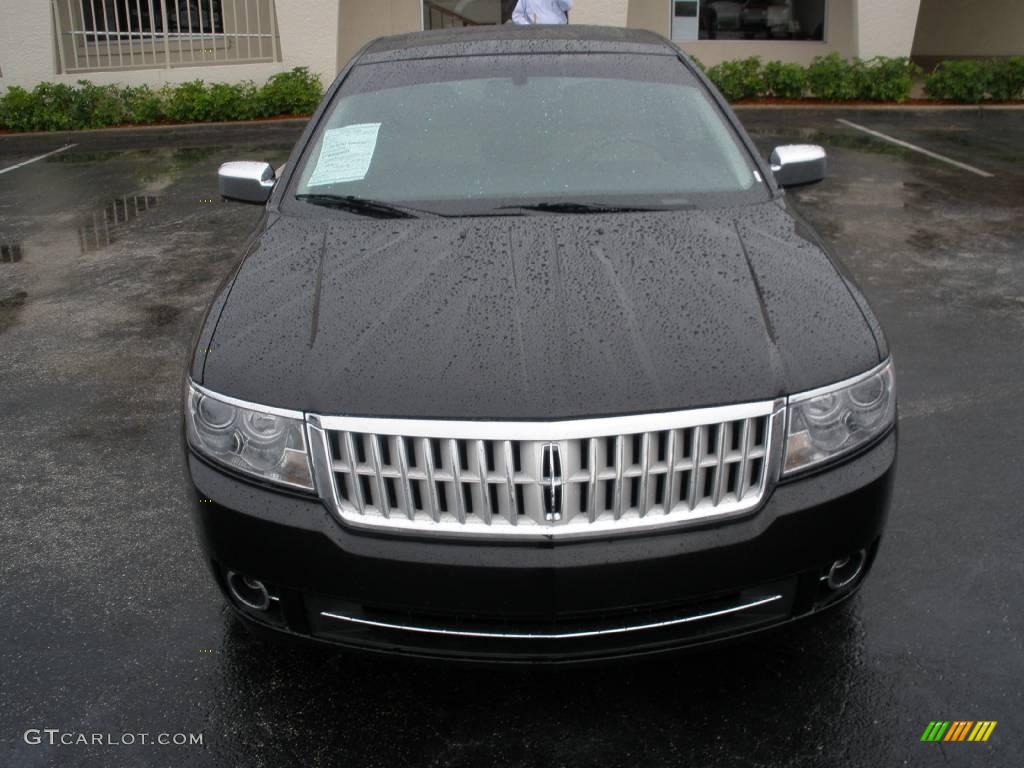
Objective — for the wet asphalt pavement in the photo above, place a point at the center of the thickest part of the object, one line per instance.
(112, 625)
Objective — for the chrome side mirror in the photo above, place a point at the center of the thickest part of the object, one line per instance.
(248, 181)
(796, 164)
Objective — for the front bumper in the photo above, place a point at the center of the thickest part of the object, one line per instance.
(543, 601)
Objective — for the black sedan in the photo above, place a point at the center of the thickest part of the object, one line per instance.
(530, 360)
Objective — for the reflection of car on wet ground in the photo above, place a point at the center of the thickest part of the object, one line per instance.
(473, 394)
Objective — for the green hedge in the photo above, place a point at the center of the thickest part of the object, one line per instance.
(831, 78)
(971, 81)
(880, 79)
(57, 107)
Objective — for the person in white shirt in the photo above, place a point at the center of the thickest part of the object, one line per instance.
(542, 12)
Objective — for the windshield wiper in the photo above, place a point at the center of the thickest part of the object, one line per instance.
(570, 207)
(365, 206)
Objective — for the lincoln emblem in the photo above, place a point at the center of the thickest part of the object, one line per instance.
(552, 480)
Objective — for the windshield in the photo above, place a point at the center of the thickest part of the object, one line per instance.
(490, 134)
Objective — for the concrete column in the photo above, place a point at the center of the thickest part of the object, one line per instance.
(27, 53)
(309, 36)
(360, 21)
(649, 14)
(885, 27)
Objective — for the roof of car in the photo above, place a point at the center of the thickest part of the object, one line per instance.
(512, 39)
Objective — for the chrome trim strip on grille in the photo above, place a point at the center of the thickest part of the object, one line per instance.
(614, 475)
(552, 635)
(550, 431)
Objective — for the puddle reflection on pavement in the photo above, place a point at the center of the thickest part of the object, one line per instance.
(10, 253)
(9, 308)
(101, 227)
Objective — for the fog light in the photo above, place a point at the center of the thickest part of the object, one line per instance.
(252, 593)
(844, 572)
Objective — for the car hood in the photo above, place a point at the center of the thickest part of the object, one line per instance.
(535, 317)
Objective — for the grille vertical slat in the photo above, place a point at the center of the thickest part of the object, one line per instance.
(672, 479)
(662, 473)
(617, 493)
(460, 491)
(353, 463)
(696, 475)
(510, 483)
(403, 468)
(592, 481)
(428, 462)
(645, 463)
(741, 484)
(378, 477)
(720, 469)
(485, 493)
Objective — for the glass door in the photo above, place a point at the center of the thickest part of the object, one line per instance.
(685, 15)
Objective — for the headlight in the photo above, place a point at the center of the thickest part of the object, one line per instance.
(266, 442)
(829, 422)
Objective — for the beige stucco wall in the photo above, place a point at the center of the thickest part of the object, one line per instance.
(885, 27)
(307, 30)
(362, 20)
(309, 35)
(864, 28)
(610, 13)
(27, 54)
(323, 35)
(970, 28)
(649, 14)
(839, 35)
(359, 21)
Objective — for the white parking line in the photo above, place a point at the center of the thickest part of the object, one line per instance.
(916, 148)
(65, 148)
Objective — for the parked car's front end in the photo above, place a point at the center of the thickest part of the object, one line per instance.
(510, 425)
(616, 575)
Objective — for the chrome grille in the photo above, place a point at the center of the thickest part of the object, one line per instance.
(546, 478)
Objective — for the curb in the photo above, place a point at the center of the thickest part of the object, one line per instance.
(132, 137)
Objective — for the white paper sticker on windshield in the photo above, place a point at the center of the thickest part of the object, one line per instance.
(345, 154)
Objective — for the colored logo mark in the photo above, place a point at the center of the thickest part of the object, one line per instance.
(958, 730)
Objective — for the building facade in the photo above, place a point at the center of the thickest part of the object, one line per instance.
(168, 41)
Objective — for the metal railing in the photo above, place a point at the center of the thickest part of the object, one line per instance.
(98, 35)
